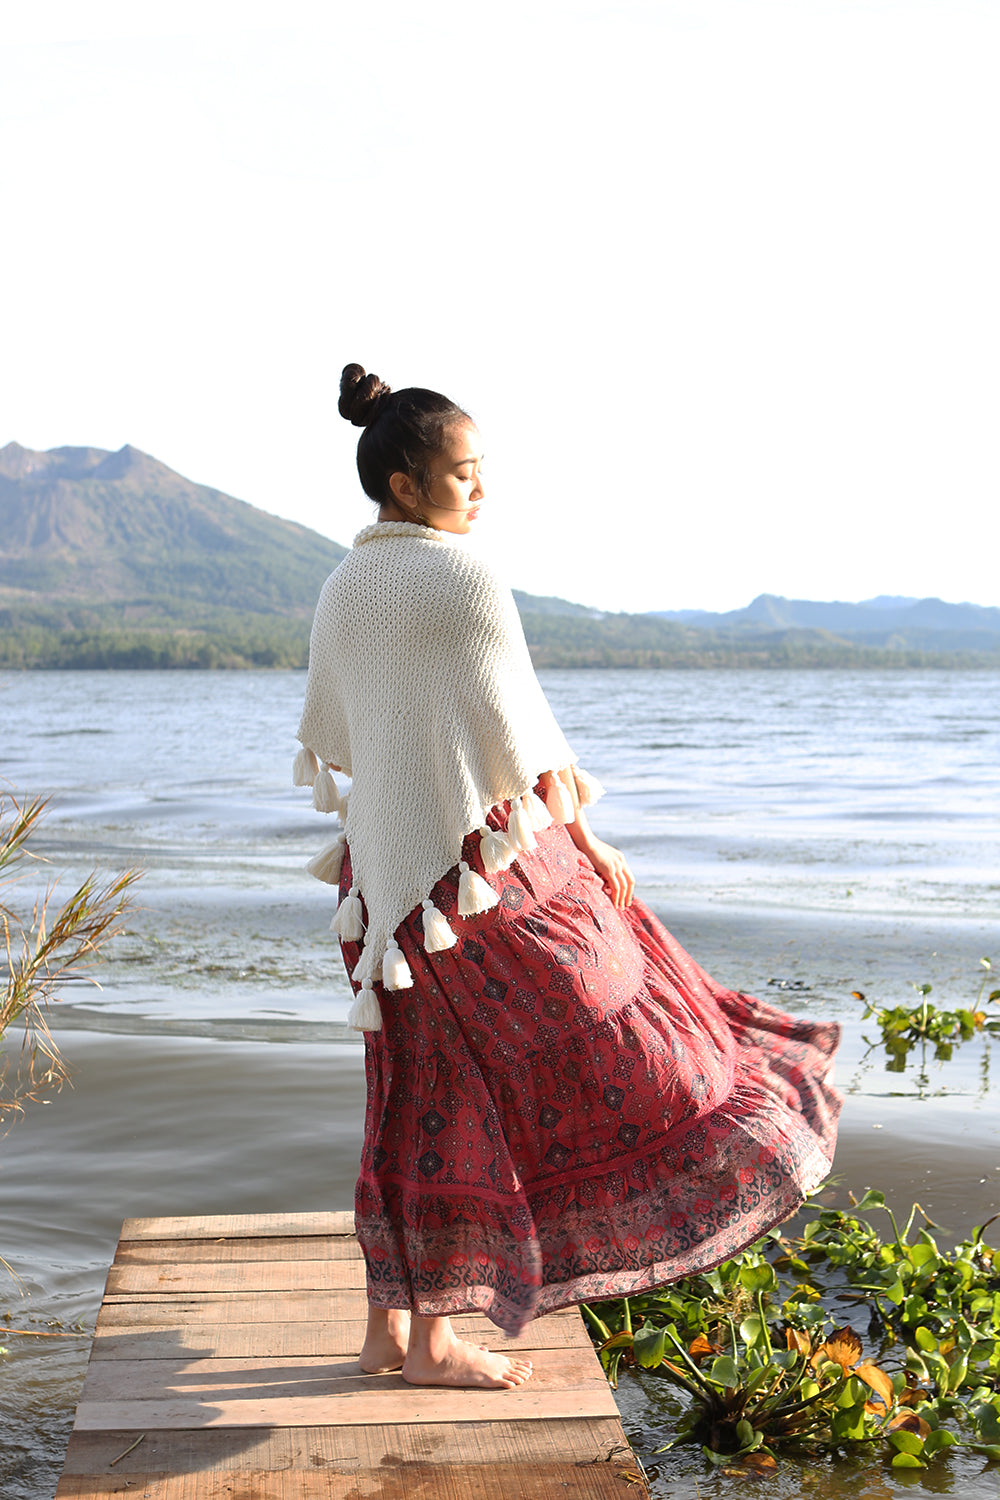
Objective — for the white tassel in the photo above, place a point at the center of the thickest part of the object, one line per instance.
(326, 864)
(364, 1014)
(537, 811)
(474, 895)
(349, 924)
(559, 801)
(437, 934)
(519, 829)
(588, 788)
(496, 849)
(395, 970)
(304, 768)
(326, 798)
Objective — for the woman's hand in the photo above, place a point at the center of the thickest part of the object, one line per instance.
(611, 866)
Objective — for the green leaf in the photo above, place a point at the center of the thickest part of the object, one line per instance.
(758, 1278)
(907, 1461)
(649, 1346)
(751, 1331)
(939, 1438)
(925, 1339)
(906, 1442)
(872, 1199)
(724, 1371)
(745, 1432)
(989, 1450)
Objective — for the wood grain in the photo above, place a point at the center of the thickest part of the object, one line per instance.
(226, 1353)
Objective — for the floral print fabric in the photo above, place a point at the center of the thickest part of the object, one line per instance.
(565, 1107)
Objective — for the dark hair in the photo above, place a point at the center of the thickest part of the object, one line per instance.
(404, 430)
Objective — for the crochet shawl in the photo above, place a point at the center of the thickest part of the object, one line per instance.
(421, 689)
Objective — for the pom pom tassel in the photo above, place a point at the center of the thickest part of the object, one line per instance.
(326, 798)
(304, 768)
(519, 829)
(496, 849)
(437, 934)
(559, 802)
(326, 864)
(474, 895)
(588, 788)
(349, 924)
(537, 812)
(364, 1014)
(395, 970)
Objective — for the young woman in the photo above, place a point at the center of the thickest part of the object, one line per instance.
(562, 1105)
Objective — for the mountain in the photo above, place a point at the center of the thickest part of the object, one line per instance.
(114, 560)
(891, 623)
(83, 523)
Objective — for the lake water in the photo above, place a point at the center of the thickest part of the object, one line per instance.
(804, 834)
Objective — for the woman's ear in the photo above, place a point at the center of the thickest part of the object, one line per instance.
(404, 491)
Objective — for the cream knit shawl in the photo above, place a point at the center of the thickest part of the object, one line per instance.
(420, 688)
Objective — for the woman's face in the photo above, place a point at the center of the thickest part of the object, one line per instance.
(456, 484)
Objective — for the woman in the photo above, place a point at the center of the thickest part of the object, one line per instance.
(561, 1104)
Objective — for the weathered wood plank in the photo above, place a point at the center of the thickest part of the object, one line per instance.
(269, 1340)
(209, 1380)
(409, 1404)
(407, 1481)
(192, 1311)
(239, 1226)
(184, 1311)
(226, 1351)
(175, 1278)
(587, 1441)
(290, 1247)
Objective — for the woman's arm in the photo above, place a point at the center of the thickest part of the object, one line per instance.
(610, 863)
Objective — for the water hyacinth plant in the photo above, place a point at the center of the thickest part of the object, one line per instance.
(759, 1349)
(42, 952)
(904, 1027)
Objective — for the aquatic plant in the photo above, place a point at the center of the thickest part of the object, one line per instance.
(42, 952)
(754, 1347)
(904, 1027)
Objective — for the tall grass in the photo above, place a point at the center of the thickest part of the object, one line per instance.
(42, 951)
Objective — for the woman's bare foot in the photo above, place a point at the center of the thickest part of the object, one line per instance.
(385, 1340)
(436, 1356)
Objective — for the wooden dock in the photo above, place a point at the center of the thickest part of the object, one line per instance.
(224, 1367)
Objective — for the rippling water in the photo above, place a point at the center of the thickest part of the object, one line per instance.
(804, 834)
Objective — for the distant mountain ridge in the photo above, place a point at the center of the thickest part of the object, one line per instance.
(890, 622)
(112, 559)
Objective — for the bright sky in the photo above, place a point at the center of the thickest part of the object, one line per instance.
(718, 278)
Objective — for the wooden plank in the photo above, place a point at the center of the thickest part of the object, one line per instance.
(247, 1276)
(292, 1247)
(269, 1340)
(192, 1311)
(406, 1482)
(239, 1226)
(210, 1379)
(409, 1404)
(226, 1352)
(588, 1441)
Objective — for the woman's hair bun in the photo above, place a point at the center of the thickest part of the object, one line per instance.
(361, 396)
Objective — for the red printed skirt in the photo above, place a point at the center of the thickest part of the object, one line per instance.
(565, 1107)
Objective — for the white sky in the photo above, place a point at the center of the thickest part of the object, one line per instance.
(718, 278)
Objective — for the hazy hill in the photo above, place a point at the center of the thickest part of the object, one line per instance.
(85, 524)
(894, 623)
(114, 560)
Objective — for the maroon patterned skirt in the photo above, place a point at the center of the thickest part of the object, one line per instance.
(565, 1107)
